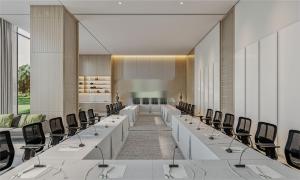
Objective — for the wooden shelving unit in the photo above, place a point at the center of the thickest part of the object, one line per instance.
(94, 89)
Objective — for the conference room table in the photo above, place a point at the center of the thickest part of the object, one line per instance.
(210, 163)
(112, 134)
(132, 111)
(167, 112)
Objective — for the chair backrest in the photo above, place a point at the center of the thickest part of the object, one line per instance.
(34, 135)
(218, 116)
(7, 151)
(192, 110)
(265, 133)
(228, 120)
(292, 149)
(189, 106)
(209, 113)
(108, 112)
(136, 101)
(112, 110)
(91, 113)
(56, 127)
(244, 125)
(82, 116)
(163, 101)
(71, 120)
(154, 101)
(145, 100)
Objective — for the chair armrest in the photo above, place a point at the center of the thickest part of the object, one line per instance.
(267, 145)
(204, 118)
(32, 146)
(58, 135)
(76, 128)
(216, 122)
(242, 134)
(227, 127)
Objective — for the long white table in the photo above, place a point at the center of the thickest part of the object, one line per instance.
(112, 134)
(196, 145)
(132, 112)
(153, 169)
(167, 112)
(218, 164)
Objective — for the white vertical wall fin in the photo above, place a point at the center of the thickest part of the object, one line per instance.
(207, 71)
(54, 58)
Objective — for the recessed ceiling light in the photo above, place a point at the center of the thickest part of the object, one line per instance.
(120, 3)
(181, 3)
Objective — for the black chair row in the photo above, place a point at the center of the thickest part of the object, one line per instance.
(153, 101)
(186, 108)
(114, 108)
(34, 136)
(264, 137)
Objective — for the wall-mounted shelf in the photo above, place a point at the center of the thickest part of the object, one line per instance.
(94, 89)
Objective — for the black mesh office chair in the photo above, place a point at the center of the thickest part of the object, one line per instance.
(116, 108)
(72, 124)
(145, 101)
(292, 149)
(243, 130)
(192, 111)
(92, 116)
(228, 124)
(217, 120)
(83, 120)
(265, 137)
(208, 116)
(112, 109)
(163, 101)
(136, 101)
(34, 139)
(108, 112)
(57, 130)
(7, 152)
(154, 101)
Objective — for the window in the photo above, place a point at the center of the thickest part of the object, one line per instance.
(23, 72)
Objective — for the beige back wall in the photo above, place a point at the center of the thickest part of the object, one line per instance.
(153, 76)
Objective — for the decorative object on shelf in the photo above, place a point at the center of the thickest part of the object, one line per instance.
(91, 83)
(80, 83)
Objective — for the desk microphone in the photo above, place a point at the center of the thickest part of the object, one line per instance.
(229, 150)
(101, 165)
(39, 165)
(96, 133)
(81, 144)
(211, 137)
(173, 165)
(240, 165)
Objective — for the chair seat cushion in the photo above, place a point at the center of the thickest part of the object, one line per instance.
(6, 120)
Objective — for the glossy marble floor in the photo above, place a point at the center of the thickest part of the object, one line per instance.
(149, 139)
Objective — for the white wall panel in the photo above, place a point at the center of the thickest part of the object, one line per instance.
(207, 53)
(268, 79)
(240, 84)
(252, 94)
(288, 81)
(216, 82)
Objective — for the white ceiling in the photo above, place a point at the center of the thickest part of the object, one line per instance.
(135, 27)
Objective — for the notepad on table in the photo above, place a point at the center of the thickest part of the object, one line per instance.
(264, 171)
(177, 173)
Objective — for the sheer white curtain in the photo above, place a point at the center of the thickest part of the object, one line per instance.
(6, 67)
